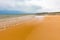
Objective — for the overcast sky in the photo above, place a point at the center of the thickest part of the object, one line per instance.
(30, 6)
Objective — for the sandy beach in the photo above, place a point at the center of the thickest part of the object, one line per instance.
(31, 27)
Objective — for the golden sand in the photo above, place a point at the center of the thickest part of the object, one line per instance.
(48, 29)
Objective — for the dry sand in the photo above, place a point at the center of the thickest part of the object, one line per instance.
(31, 28)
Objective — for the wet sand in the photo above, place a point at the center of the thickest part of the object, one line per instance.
(34, 28)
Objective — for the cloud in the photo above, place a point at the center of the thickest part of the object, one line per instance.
(30, 6)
